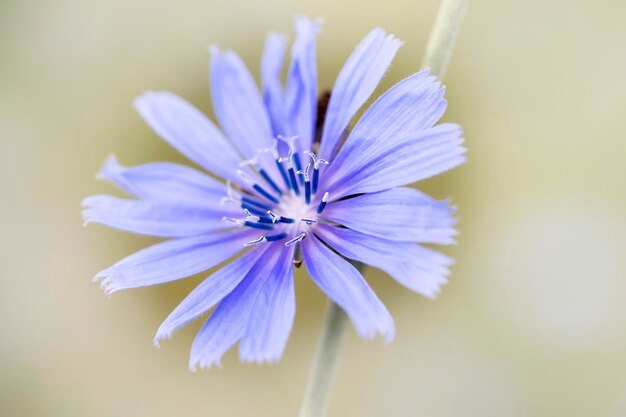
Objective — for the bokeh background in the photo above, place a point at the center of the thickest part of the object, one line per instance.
(533, 321)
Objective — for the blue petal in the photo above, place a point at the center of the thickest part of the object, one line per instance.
(356, 82)
(163, 181)
(173, 259)
(190, 132)
(419, 269)
(400, 214)
(271, 68)
(230, 319)
(156, 218)
(301, 93)
(238, 103)
(272, 316)
(415, 103)
(346, 287)
(210, 292)
(380, 165)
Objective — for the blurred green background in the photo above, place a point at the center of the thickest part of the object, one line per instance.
(533, 321)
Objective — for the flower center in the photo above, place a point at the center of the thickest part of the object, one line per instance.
(295, 207)
(282, 198)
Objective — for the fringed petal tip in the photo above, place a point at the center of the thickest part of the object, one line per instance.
(142, 101)
(390, 336)
(396, 42)
(198, 364)
(303, 25)
(89, 213)
(160, 335)
(437, 83)
(385, 328)
(107, 284)
(111, 166)
(434, 293)
(379, 32)
(216, 52)
(260, 360)
(89, 201)
(260, 356)
(109, 287)
(168, 261)
(278, 37)
(391, 40)
(433, 287)
(164, 332)
(114, 172)
(85, 221)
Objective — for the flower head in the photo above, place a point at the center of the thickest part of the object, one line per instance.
(338, 198)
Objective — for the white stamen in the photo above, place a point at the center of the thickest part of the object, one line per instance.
(252, 162)
(305, 172)
(316, 161)
(231, 197)
(275, 217)
(245, 177)
(289, 140)
(273, 150)
(262, 239)
(295, 239)
(238, 222)
(325, 197)
(251, 217)
(288, 158)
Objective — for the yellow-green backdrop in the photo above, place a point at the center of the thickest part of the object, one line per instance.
(533, 321)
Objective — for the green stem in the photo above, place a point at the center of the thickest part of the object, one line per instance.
(324, 366)
(438, 51)
(443, 35)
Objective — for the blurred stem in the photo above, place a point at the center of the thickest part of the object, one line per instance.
(443, 35)
(323, 369)
(438, 51)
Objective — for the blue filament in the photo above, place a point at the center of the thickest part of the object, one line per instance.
(265, 193)
(253, 210)
(294, 181)
(296, 160)
(259, 225)
(321, 207)
(252, 202)
(269, 180)
(283, 174)
(316, 177)
(307, 191)
(279, 236)
(265, 220)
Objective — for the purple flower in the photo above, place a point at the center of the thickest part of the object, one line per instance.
(331, 193)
